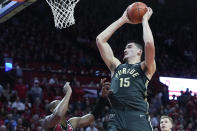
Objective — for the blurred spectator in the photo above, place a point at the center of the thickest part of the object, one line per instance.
(52, 80)
(21, 89)
(36, 91)
(19, 71)
(18, 105)
(20, 126)
(154, 121)
(91, 127)
(8, 93)
(3, 128)
(10, 123)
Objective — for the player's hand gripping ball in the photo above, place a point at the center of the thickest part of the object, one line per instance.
(136, 11)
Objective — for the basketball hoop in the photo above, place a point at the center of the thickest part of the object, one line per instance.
(63, 12)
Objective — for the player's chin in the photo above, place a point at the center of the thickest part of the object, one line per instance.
(125, 59)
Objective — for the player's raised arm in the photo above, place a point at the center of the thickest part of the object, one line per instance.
(60, 110)
(104, 48)
(149, 63)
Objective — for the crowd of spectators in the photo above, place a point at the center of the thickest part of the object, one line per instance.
(45, 58)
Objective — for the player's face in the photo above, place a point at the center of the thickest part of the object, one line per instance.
(165, 124)
(131, 50)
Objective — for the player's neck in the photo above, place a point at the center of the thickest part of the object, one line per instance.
(133, 60)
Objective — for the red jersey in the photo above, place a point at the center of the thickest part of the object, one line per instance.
(59, 127)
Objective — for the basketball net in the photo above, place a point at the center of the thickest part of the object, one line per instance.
(63, 12)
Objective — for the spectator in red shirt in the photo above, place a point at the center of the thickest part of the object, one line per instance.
(21, 89)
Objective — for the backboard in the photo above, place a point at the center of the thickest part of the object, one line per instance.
(9, 8)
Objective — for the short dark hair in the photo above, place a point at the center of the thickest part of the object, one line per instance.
(138, 44)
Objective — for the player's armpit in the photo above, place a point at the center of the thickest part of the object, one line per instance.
(50, 121)
(148, 71)
(116, 63)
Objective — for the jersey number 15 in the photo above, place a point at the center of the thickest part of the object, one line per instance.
(124, 82)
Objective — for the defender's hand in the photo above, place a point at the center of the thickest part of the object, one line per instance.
(105, 88)
(67, 88)
(148, 14)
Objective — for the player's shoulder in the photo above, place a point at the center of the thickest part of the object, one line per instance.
(72, 123)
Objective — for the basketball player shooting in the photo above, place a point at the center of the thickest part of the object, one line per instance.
(129, 81)
(56, 120)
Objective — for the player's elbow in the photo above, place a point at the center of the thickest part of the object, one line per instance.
(150, 50)
(98, 40)
(150, 45)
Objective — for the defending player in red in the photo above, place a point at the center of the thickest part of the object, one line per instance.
(57, 122)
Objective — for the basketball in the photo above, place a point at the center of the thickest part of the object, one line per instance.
(136, 12)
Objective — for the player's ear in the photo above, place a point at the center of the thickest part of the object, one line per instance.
(139, 52)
